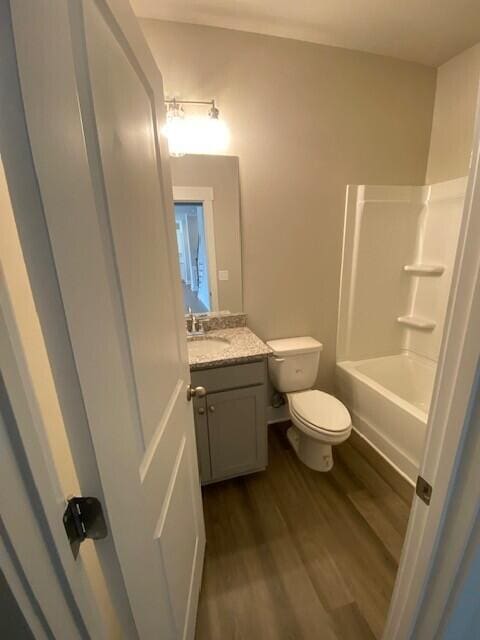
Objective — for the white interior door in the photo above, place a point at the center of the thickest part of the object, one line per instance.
(93, 104)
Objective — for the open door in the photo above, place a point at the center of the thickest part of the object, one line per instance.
(93, 103)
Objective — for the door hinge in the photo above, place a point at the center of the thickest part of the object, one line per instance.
(423, 490)
(83, 518)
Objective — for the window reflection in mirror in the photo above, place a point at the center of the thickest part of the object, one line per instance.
(193, 256)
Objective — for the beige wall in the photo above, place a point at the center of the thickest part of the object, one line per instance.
(305, 121)
(221, 174)
(454, 115)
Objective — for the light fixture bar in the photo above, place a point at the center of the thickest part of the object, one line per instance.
(194, 134)
(176, 101)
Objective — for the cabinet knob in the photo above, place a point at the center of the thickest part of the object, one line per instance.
(201, 411)
(195, 392)
(211, 408)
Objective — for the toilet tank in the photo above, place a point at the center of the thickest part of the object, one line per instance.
(293, 366)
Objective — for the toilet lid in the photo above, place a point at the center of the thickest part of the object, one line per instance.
(321, 410)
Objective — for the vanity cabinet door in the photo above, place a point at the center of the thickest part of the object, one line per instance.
(237, 431)
(201, 436)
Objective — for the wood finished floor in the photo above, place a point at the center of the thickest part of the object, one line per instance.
(295, 554)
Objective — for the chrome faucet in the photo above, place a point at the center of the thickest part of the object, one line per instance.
(194, 324)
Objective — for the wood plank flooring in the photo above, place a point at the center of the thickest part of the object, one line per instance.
(293, 554)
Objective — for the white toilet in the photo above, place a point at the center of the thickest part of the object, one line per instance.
(319, 419)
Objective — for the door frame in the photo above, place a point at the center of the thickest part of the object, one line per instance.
(42, 590)
(55, 593)
(204, 195)
(450, 422)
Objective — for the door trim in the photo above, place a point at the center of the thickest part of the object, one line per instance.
(447, 428)
(42, 450)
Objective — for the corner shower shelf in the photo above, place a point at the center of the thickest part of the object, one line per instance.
(424, 269)
(414, 322)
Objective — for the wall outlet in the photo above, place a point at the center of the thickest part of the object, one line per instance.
(223, 275)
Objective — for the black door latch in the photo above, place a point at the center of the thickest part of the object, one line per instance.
(83, 518)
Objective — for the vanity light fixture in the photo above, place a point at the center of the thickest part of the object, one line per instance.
(194, 134)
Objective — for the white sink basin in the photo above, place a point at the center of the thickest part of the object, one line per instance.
(204, 346)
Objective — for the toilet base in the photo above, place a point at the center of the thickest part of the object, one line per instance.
(314, 454)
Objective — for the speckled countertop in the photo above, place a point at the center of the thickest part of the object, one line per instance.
(244, 346)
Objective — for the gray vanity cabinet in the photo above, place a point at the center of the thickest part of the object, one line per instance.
(230, 421)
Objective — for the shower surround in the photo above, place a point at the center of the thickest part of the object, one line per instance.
(398, 256)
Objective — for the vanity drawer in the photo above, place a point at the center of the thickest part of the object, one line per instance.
(232, 377)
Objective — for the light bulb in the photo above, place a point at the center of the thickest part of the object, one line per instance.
(175, 130)
(195, 134)
(217, 135)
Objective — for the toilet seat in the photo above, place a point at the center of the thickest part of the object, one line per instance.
(320, 412)
(320, 435)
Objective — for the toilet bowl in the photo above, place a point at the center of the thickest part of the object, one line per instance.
(319, 420)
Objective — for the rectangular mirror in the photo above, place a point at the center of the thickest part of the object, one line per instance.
(206, 193)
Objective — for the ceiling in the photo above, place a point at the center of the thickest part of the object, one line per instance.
(425, 31)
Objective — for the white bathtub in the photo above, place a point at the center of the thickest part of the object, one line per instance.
(389, 399)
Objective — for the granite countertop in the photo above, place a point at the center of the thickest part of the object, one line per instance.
(244, 346)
